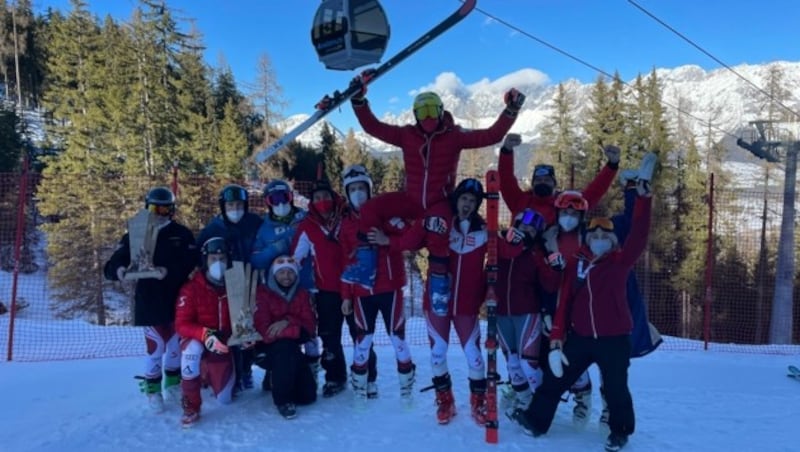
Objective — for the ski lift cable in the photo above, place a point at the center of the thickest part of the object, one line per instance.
(593, 67)
(710, 55)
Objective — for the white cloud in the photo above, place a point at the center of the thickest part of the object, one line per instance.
(449, 82)
(394, 100)
(489, 21)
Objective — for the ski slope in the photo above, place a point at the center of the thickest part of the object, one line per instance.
(693, 400)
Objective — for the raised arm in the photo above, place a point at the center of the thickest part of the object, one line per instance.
(512, 194)
(598, 187)
(640, 227)
(385, 132)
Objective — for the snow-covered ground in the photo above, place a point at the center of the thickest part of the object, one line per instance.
(703, 401)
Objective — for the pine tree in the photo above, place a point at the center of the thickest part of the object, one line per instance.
(331, 151)
(560, 145)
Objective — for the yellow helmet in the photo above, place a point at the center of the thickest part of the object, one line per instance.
(428, 105)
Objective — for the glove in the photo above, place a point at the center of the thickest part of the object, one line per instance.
(514, 100)
(436, 225)
(643, 188)
(556, 261)
(547, 324)
(361, 80)
(511, 141)
(213, 343)
(647, 166)
(514, 236)
(121, 273)
(557, 360)
(628, 176)
(612, 153)
(347, 306)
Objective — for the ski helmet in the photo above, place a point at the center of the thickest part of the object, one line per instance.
(356, 173)
(278, 192)
(214, 245)
(428, 105)
(160, 196)
(232, 192)
(469, 185)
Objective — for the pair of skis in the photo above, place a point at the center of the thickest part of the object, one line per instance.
(794, 372)
(492, 377)
(333, 101)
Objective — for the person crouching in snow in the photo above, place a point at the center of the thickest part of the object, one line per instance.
(285, 319)
(593, 324)
(203, 322)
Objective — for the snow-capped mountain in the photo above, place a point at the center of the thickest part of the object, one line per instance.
(719, 96)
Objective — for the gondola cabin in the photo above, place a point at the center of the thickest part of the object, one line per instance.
(348, 34)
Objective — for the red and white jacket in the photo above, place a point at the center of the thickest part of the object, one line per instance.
(294, 306)
(468, 242)
(593, 296)
(391, 270)
(318, 240)
(202, 305)
(431, 160)
(518, 200)
(522, 275)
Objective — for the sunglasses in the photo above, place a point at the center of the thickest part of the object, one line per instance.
(234, 194)
(544, 170)
(279, 197)
(602, 223)
(163, 211)
(427, 112)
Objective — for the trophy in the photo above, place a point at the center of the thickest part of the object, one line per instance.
(240, 284)
(142, 235)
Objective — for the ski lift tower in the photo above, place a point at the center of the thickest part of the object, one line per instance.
(776, 142)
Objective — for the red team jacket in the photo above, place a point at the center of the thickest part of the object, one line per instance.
(391, 269)
(313, 240)
(272, 306)
(597, 305)
(431, 161)
(202, 305)
(521, 272)
(518, 200)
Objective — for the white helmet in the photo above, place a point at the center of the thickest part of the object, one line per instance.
(356, 173)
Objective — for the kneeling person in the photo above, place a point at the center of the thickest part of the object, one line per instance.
(285, 319)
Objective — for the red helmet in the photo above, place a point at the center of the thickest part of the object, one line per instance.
(571, 199)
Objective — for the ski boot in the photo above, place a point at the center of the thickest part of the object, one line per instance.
(521, 402)
(331, 388)
(407, 376)
(172, 385)
(372, 390)
(358, 380)
(364, 269)
(445, 403)
(477, 400)
(583, 407)
(288, 410)
(152, 388)
(616, 442)
(191, 412)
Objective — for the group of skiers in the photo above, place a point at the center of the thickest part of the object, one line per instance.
(565, 286)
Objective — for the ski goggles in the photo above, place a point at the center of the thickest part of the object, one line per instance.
(279, 197)
(601, 223)
(215, 245)
(234, 194)
(163, 211)
(530, 217)
(427, 112)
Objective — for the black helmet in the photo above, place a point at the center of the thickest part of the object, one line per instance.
(214, 245)
(469, 185)
(160, 196)
(232, 192)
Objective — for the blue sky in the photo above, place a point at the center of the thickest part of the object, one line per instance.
(610, 34)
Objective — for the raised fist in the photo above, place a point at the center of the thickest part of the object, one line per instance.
(514, 100)
(612, 153)
(512, 140)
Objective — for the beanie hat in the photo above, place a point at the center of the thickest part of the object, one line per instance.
(282, 262)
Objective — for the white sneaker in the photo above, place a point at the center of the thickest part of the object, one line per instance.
(156, 402)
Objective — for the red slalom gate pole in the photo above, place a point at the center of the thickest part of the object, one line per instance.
(23, 190)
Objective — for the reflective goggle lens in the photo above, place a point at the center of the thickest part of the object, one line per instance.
(279, 197)
(602, 223)
(161, 210)
(427, 112)
(234, 194)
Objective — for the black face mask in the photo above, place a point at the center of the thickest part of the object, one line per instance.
(542, 190)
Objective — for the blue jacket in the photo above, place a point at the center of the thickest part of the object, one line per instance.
(274, 238)
(240, 236)
(645, 337)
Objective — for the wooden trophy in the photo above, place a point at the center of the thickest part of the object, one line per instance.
(240, 284)
(142, 236)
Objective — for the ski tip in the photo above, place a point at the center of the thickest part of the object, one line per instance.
(467, 7)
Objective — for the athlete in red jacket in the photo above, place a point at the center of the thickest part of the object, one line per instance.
(203, 322)
(285, 319)
(593, 324)
(385, 297)
(431, 149)
(543, 180)
(468, 240)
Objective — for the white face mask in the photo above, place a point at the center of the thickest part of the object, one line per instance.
(600, 246)
(216, 271)
(281, 210)
(568, 222)
(358, 198)
(235, 215)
